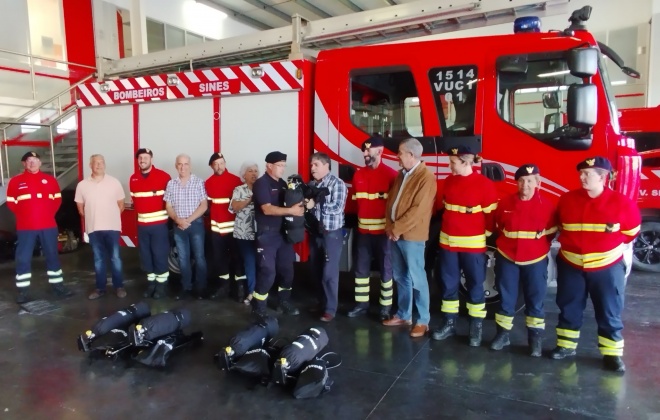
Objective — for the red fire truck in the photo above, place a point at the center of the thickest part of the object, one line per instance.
(643, 124)
(532, 96)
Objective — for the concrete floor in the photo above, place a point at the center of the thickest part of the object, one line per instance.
(384, 375)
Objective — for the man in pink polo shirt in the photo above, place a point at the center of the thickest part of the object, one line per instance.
(100, 201)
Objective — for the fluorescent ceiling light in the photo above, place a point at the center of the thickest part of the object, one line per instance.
(554, 73)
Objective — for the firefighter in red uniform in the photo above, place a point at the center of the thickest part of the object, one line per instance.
(220, 187)
(34, 197)
(595, 225)
(370, 187)
(147, 187)
(470, 200)
(525, 223)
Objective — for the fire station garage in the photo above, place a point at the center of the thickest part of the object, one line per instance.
(225, 209)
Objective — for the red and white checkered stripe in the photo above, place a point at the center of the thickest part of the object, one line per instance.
(277, 76)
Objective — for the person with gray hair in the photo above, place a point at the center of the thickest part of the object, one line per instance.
(243, 207)
(409, 208)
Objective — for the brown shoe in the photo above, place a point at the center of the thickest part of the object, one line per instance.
(395, 321)
(96, 294)
(121, 293)
(419, 330)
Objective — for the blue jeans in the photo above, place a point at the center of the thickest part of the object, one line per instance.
(191, 239)
(248, 250)
(105, 243)
(410, 277)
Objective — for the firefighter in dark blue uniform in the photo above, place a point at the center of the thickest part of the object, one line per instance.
(275, 256)
(595, 225)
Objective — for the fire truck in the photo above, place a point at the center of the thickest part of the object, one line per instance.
(529, 96)
(643, 124)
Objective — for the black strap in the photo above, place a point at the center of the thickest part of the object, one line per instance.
(331, 365)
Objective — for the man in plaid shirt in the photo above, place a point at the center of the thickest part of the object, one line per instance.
(186, 200)
(325, 245)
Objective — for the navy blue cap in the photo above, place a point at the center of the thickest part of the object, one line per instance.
(144, 150)
(595, 162)
(29, 155)
(460, 150)
(274, 157)
(526, 169)
(214, 157)
(372, 142)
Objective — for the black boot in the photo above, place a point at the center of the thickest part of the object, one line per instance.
(359, 309)
(61, 290)
(535, 342)
(159, 290)
(240, 290)
(222, 291)
(385, 313)
(287, 308)
(561, 352)
(151, 288)
(23, 296)
(500, 341)
(476, 330)
(446, 330)
(614, 363)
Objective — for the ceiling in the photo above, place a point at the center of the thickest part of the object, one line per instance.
(268, 14)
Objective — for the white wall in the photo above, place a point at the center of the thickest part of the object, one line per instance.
(191, 16)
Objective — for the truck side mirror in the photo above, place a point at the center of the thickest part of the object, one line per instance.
(582, 106)
(583, 62)
(551, 100)
(512, 64)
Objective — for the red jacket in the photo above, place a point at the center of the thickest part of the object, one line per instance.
(594, 230)
(34, 199)
(525, 228)
(220, 188)
(147, 194)
(469, 210)
(369, 190)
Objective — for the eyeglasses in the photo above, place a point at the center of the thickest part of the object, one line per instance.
(280, 165)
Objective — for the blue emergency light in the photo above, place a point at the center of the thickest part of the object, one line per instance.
(527, 24)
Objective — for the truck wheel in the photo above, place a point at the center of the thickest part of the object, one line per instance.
(646, 248)
(490, 290)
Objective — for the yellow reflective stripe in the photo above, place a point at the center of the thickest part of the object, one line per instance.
(219, 200)
(371, 227)
(449, 306)
(361, 289)
(222, 230)
(463, 209)
(362, 280)
(478, 241)
(155, 216)
(222, 224)
(25, 283)
(490, 208)
(141, 194)
(568, 333)
(283, 289)
(590, 227)
(596, 259)
(361, 298)
(606, 342)
(387, 293)
(368, 196)
(476, 310)
(11, 200)
(385, 302)
(54, 196)
(23, 276)
(632, 232)
(151, 277)
(258, 296)
(521, 262)
(533, 322)
(354, 197)
(566, 344)
(23, 197)
(54, 273)
(606, 351)
(371, 221)
(386, 284)
(504, 321)
(522, 234)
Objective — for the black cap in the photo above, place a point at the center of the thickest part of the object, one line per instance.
(214, 157)
(274, 157)
(29, 155)
(595, 162)
(526, 169)
(144, 150)
(372, 142)
(460, 150)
